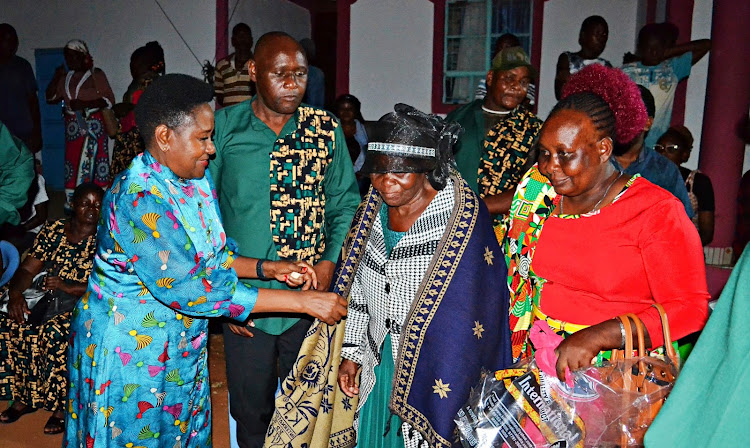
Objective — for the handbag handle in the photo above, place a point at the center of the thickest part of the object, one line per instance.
(668, 347)
(628, 349)
(640, 332)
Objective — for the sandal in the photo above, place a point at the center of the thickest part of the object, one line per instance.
(55, 425)
(12, 414)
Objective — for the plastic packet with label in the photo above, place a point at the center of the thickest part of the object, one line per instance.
(523, 407)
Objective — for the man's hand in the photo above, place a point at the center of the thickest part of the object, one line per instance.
(243, 331)
(324, 271)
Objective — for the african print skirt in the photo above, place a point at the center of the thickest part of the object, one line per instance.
(86, 151)
(127, 145)
(33, 362)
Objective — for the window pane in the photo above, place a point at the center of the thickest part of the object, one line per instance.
(512, 16)
(465, 54)
(468, 41)
(466, 17)
(459, 89)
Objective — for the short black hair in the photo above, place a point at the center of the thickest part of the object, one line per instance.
(242, 27)
(591, 21)
(149, 55)
(86, 188)
(515, 42)
(681, 138)
(170, 101)
(271, 35)
(348, 98)
(667, 33)
(648, 101)
(8, 28)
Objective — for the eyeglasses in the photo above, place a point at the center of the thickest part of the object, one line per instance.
(671, 148)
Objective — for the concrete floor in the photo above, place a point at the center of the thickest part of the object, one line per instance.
(28, 432)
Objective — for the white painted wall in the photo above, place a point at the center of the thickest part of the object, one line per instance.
(270, 15)
(114, 29)
(695, 98)
(391, 54)
(562, 22)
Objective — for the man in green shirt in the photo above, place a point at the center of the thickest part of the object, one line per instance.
(286, 190)
(493, 153)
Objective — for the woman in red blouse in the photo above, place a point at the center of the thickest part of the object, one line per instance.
(586, 243)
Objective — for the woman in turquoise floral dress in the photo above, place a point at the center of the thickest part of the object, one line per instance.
(138, 356)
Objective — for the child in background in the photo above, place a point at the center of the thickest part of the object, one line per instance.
(661, 66)
(593, 39)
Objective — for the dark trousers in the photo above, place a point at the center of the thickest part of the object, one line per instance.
(254, 366)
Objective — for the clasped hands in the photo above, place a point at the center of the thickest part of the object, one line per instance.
(295, 274)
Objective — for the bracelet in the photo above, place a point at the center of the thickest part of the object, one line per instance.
(622, 332)
(259, 271)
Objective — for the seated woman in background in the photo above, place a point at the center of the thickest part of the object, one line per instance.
(586, 244)
(34, 355)
(676, 144)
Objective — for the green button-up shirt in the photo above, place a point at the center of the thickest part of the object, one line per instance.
(16, 174)
(241, 172)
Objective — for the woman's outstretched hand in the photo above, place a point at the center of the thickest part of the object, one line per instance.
(326, 306)
(347, 377)
(293, 273)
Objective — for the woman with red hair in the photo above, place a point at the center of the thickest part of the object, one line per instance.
(586, 243)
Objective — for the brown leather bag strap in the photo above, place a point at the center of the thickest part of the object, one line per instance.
(627, 351)
(628, 337)
(640, 332)
(668, 347)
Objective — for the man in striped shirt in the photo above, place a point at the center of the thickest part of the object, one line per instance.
(232, 82)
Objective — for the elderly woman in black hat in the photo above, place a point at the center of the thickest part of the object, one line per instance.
(427, 307)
